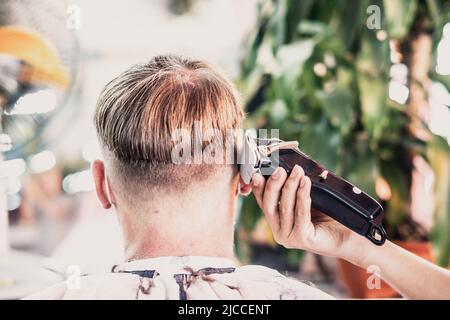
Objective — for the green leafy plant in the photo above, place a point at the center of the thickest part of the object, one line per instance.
(315, 70)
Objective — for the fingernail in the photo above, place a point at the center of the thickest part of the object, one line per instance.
(295, 171)
(276, 174)
(255, 181)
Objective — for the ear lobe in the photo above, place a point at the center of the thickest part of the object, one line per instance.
(244, 188)
(98, 173)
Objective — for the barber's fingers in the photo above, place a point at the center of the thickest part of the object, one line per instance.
(288, 199)
(303, 207)
(271, 198)
(258, 189)
(258, 185)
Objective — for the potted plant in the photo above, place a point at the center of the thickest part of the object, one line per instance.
(316, 71)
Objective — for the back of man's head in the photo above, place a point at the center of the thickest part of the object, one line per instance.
(139, 111)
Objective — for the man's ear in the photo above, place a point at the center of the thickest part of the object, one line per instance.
(101, 185)
(244, 189)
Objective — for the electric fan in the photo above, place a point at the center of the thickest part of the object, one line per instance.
(38, 63)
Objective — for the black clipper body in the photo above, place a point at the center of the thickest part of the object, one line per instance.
(330, 193)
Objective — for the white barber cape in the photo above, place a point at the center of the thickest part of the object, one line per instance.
(184, 278)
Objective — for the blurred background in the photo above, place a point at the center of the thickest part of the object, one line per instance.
(363, 85)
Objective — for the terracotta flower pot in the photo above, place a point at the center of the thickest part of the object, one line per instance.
(355, 278)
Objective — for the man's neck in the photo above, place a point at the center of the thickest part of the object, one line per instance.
(200, 224)
(202, 246)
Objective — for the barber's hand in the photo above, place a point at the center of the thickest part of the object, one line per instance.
(286, 203)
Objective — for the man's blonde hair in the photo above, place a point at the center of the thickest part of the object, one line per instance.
(138, 111)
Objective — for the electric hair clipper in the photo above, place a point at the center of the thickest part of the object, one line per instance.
(330, 194)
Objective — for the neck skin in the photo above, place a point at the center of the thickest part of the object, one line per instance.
(198, 222)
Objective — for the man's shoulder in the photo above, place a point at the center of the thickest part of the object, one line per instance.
(246, 282)
(95, 286)
(282, 286)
